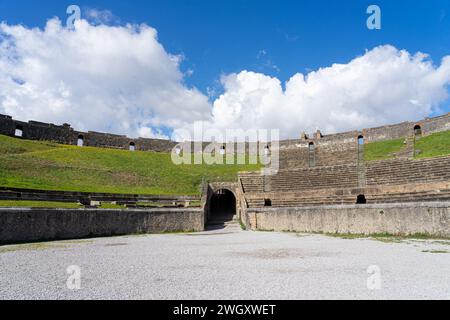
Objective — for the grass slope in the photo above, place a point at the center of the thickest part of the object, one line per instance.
(48, 166)
(381, 150)
(434, 145)
(53, 204)
(39, 204)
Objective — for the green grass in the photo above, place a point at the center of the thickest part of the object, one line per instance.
(39, 204)
(434, 145)
(382, 150)
(49, 166)
(192, 204)
(53, 205)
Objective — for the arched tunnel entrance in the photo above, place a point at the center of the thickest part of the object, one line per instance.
(222, 207)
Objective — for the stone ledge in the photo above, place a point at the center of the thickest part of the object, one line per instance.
(431, 204)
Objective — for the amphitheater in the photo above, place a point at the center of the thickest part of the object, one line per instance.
(325, 184)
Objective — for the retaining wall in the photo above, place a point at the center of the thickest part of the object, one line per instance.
(27, 224)
(399, 219)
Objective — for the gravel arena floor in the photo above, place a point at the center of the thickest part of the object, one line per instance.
(228, 264)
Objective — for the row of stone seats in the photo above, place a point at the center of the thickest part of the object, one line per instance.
(321, 156)
(406, 171)
(299, 200)
(252, 182)
(342, 176)
(328, 156)
(294, 158)
(420, 196)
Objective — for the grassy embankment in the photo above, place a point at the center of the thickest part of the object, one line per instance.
(434, 145)
(49, 166)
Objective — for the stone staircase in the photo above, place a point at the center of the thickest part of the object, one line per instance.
(361, 167)
(227, 223)
(252, 182)
(408, 151)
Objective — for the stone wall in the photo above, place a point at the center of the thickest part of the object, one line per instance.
(65, 134)
(342, 148)
(17, 194)
(28, 225)
(399, 219)
(333, 148)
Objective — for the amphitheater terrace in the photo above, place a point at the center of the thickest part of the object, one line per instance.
(389, 184)
(326, 183)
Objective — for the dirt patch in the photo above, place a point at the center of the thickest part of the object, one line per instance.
(115, 244)
(269, 254)
(32, 247)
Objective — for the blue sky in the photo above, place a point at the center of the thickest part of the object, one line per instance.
(219, 37)
(274, 38)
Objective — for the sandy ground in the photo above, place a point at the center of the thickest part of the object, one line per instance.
(227, 264)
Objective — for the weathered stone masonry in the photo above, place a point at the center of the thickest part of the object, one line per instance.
(333, 148)
(65, 134)
(315, 172)
(28, 225)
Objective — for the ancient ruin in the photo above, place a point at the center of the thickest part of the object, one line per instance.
(324, 183)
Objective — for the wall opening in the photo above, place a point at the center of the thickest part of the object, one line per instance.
(361, 199)
(360, 140)
(312, 154)
(222, 150)
(223, 206)
(418, 131)
(132, 146)
(267, 150)
(267, 203)
(19, 131)
(80, 141)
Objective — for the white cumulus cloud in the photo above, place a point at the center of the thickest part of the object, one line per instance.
(104, 78)
(120, 79)
(383, 86)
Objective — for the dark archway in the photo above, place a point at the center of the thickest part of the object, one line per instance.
(361, 140)
(80, 141)
(132, 146)
(18, 132)
(418, 131)
(361, 199)
(223, 206)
